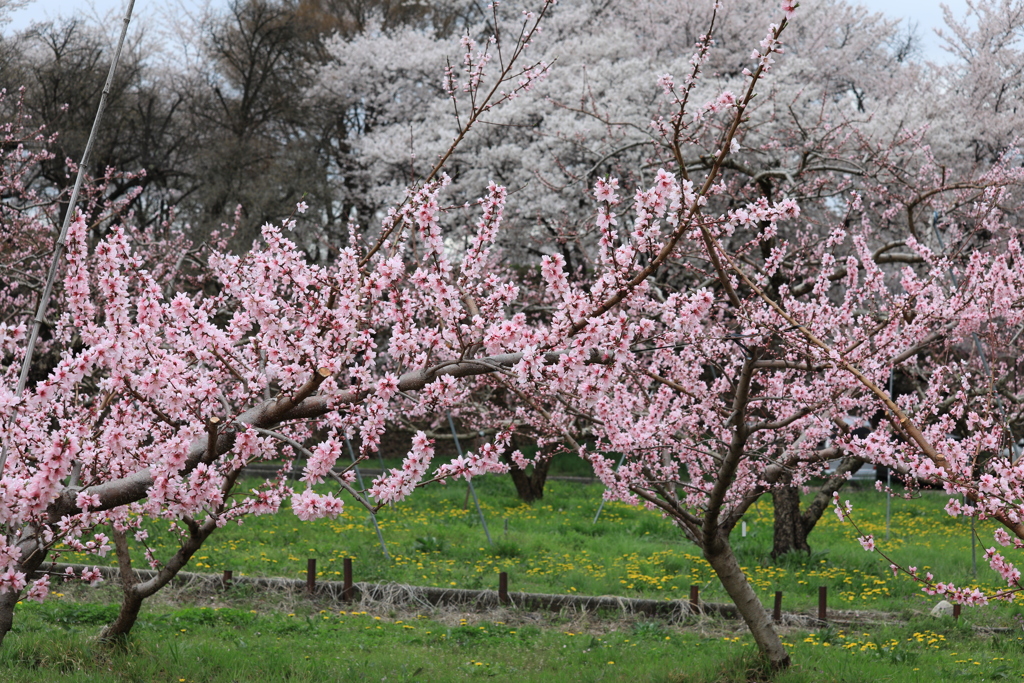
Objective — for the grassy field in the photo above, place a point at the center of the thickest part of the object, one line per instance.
(241, 639)
(435, 539)
(554, 546)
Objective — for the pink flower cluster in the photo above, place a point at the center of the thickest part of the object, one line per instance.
(310, 505)
(399, 483)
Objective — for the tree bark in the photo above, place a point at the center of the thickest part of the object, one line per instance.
(7, 602)
(823, 498)
(792, 527)
(714, 535)
(722, 559)
(135, 591)
(131, 603)
(789, 533)
(529, 487)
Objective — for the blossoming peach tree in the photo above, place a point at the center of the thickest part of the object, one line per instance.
(679, 351)
(847, 111)
(163, 393)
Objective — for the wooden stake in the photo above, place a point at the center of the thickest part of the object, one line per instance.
(694, 600)
(503, 588)
(822, 603)
(777, 612)
(311, 576)
(346, 586)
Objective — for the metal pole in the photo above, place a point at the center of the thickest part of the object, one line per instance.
(1014, 454)
(479, 511)
(1014, 448)
(888, 470)
(58, 250)
(601, 506)
(373, 517)
(974, 547)
(888, 500)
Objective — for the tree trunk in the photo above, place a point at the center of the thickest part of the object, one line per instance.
(530, 487)
(722, 559)
(131, 605)
(7, 602)
(131, 602)
(790, 533)
(136, 591)
(823, 498)
(792, 527)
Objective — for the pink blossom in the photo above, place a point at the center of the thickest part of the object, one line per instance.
(604, 191)
(92, 576)
(310, 505)
(666, 83)
(40, 589)
(87, 501)
(11, 580)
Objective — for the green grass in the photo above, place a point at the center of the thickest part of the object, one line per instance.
(555, 547)
(241, 641)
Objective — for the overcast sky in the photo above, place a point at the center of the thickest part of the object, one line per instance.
(927, 14)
